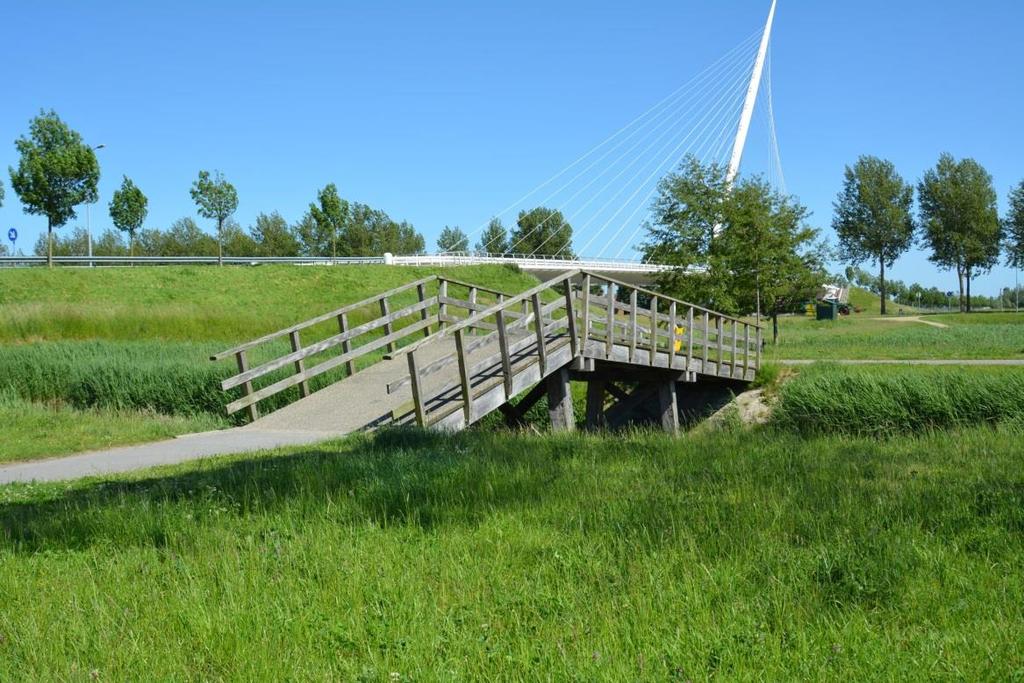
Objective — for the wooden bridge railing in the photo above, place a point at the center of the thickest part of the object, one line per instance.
(392, 320)
(569, 311)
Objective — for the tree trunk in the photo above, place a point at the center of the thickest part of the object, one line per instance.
(49, 242)
(881, 284)
(960, 283)
(131, 246)
(220, 241)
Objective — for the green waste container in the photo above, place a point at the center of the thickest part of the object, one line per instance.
(827, 310)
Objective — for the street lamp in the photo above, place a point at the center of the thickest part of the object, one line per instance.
(88, 227)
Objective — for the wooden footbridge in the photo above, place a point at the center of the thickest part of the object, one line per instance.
(441, 353)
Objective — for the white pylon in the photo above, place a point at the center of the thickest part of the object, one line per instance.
(748, 104)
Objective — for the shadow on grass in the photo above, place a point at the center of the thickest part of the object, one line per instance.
(396, 477)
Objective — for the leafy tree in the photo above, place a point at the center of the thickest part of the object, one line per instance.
(2, 200)
(217, 200)
(110, 243)
(330, 216)
(960, 219)
(238, 242)
(128, 210)
(763, 258)
(452, 239)
(494, 239)
(1014, 227)
(273, 236)
(873, 217)
(184, 238)
(56, 172)
(542, 231)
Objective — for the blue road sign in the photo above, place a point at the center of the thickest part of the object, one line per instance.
(12, 234)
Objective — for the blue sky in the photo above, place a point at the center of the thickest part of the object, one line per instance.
(446, 112)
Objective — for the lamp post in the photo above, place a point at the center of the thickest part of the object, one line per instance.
(88, 227)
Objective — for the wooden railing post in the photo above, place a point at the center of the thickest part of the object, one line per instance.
(243, 366)
(417, 397)
(689, 337)
(732, 350)
(570, 318)
(610, 332)
(442, 307)
(632, 326)
(757, 350)
(300, 365)
(746, 349)
(654, 330)
(346, 346)
(506, 360)
(472, 300)
(542, 351)
(467, 392)
(672, 335)
(586, 311)
(385, 311)
(421, 290)
(718, 336)
(704, 355)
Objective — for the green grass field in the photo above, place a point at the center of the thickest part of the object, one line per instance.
(512, 557)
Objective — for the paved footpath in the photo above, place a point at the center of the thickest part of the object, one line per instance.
(927, 361)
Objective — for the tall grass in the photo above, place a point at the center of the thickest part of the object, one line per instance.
(887, 400)
(512, 557)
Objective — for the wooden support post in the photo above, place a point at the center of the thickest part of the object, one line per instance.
(560, 401)
(467, 392)
(654, 331)
(757, 350)
(421, 290)
(472, 300)
(570, 319)
(610, 331)
(538, 320)
(632, 326)
(595, 404)
(346, 346)
(417, 397)
(385, 312)
(586, 311)
(732, 351)
(668, 407)
(300, 365)
(671, 335)
(506, 360)
(243, 366)
(746, 350)
(442, 308)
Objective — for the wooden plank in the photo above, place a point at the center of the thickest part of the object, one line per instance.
(331, 342)
(417, 396)
(595, 404)
(718, 340)
(732, 345)
(346, 345)
(586, 310)
(689, 335)
(570, 316)
(542, 353)
(300, 365)
(757, 349)
(705, 344)
(386, 315)
(243, 365)
(467, 392)
(321, 368)
(472, 303)
(668, 407)
(746, 349)
(442, 308)
(506, 360)
(321, 318)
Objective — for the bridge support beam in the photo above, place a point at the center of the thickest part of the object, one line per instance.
(560, 401)
(595, 404)
(668, 407)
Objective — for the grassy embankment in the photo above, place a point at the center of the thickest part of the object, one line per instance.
(128, 347)
(505, 557)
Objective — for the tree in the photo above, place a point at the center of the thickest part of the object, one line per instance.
(741, 249)
(128, 210)
(452, 239)
(56, 172)
(184, 238)
(273, 236)
(2, 195)
(330, 217)
(237, 242)
(873, 218)
(1014, 228)
(960, 220)
(542, 231)
(217, 200)
(494, 239)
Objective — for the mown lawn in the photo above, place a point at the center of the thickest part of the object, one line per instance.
(514, 557)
